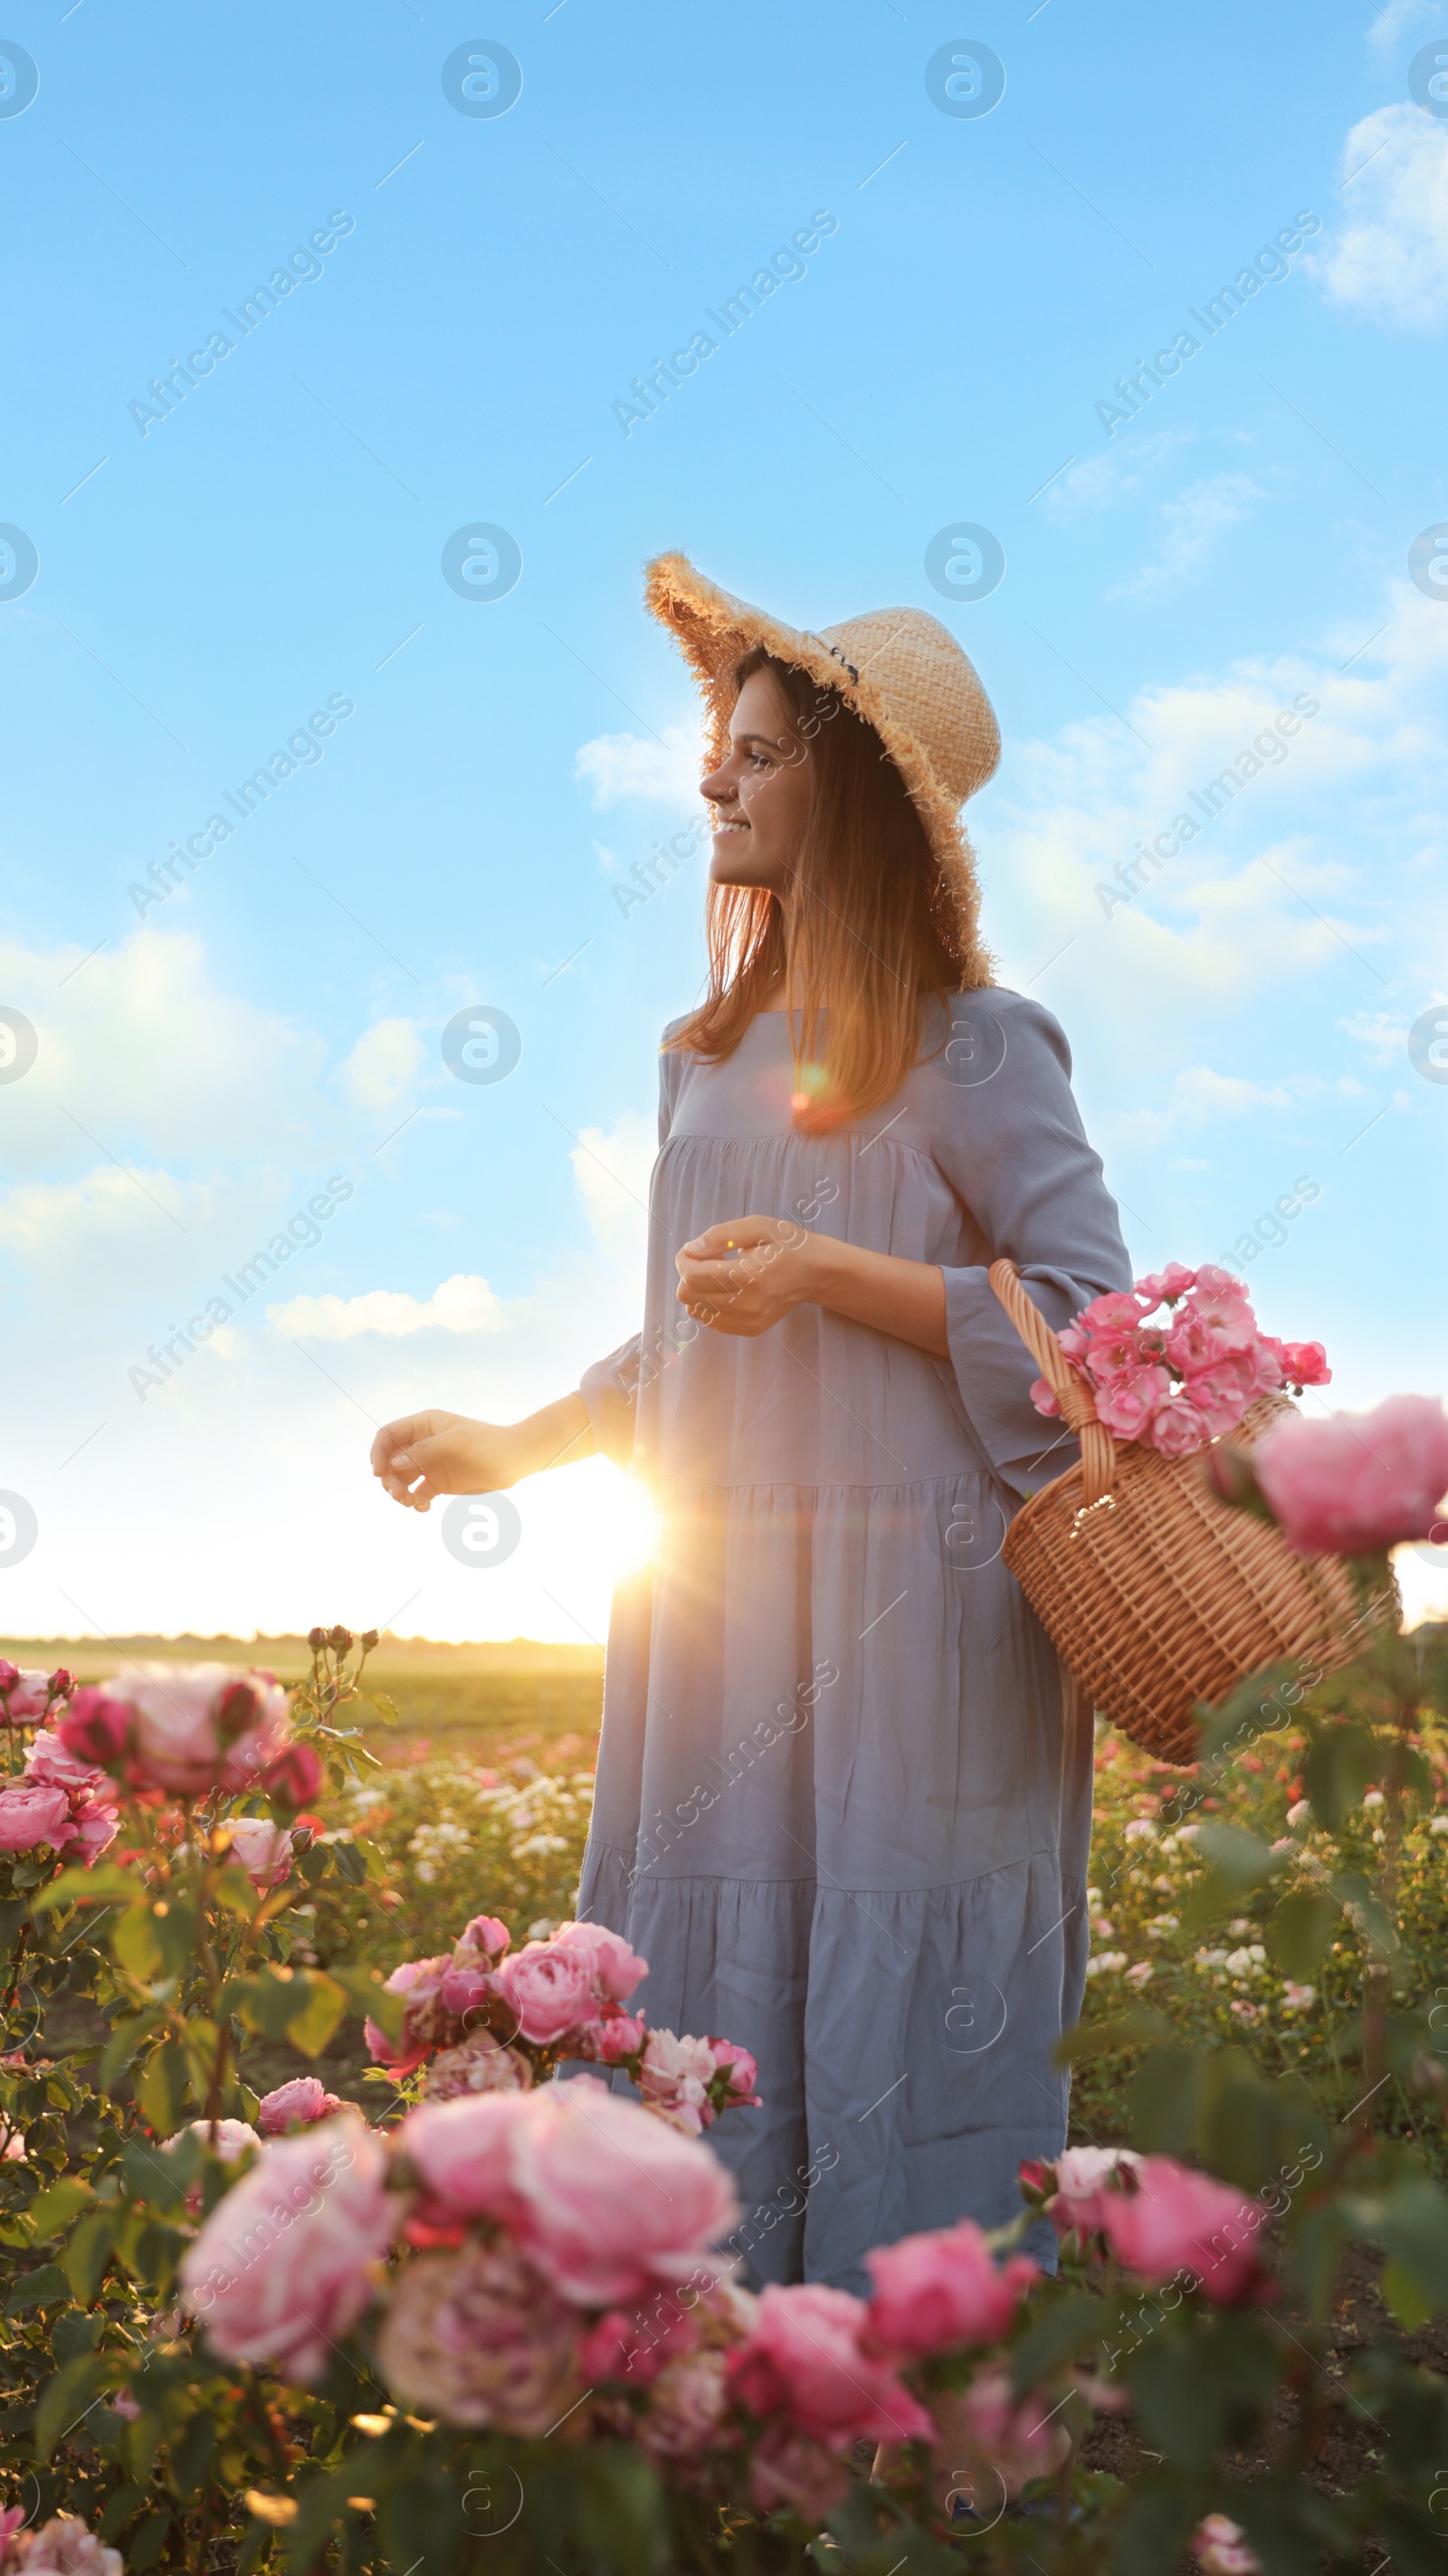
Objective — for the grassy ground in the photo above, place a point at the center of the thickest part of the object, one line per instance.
(481, 1795)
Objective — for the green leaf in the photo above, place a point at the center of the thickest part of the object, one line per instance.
(1166, 2101)
(1300, 1930)
(1070, 2325)
(1360, 1900)
(349, 1863)
(54, 2208)
(119, 2510)
(86, 2255)
(1340, 1763)
(1134, 2028)
(67, 2398)
(162, 2085)
(322, 2006)
(107, 1884)
(368, 1996)
(1155, 2529)
(42, 2288)
(234, 1890)
(126, 2037)
(150, 2540)
(1256, 1707)
(1409, 2303)
(135, 1943)
(1410, 2221)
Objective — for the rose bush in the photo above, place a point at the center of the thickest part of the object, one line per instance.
(263, 2330)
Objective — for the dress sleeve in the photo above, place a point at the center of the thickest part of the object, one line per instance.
(1011, 1144)
(610, 1387)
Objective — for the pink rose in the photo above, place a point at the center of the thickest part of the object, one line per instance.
(1305, 1364)
(188, 1729)
(295, 1776)
(945, 2288)
(93, 1829)
(476, 2338)
(1044, 1396)
(743, 2070)
(1221, 2548)
(1165, 1286)
(1083, 2178)
(1358, 1482)
(301, 2103)
(263, 1849)
(1119, 1311)
(1222, 1393)
(50, 1761)
(685, 2412)
(64, 2546)
(674, 2078)
(621, 2036)
(1114, 1355)
(31, 1814)
(281, 2269)
(549, 1987)
(789, 2473)
(805, 2362)
(482, 1941)
(421, 1980)
(1127, 1403)
(1001, 2441)
(1177, 2220)
(26, 1696)
(616, 1969)
(465, 1989)
(1176, 1429)
(463, 2153)
(95, 1727)
(617, 2201)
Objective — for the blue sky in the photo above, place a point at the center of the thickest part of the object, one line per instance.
(460, 354)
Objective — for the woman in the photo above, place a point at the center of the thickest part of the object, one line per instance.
(843, 1800)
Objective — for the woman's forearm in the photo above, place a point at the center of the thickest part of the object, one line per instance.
(903, 1298)
(554, 1436)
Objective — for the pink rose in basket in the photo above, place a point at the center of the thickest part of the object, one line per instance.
(1128, 1401)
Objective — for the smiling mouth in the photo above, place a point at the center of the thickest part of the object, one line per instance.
(729, 823)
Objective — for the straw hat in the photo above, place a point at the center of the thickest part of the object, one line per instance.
(899, 668)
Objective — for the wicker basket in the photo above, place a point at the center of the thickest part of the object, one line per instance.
(1155, 1594)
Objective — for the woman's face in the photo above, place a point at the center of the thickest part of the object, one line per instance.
(761, 793)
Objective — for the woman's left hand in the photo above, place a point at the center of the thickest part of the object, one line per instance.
(743, 1276)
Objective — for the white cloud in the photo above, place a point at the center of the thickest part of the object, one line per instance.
(1268, 894)
(463, 1304)
(1097, 481)
(138, 1041)
(1193, 522)
(382, 1064)
(106, 1214)
(612, 1170)
(620, 768)
(1391, 258)
(1399, 19)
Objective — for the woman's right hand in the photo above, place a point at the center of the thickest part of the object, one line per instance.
(421, 1455)
(425, 1454)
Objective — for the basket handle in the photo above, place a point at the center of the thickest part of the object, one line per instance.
(1098, 1449)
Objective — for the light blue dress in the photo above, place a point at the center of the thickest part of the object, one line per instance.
(844, 1789)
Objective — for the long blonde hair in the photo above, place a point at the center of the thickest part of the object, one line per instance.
(865, 925)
